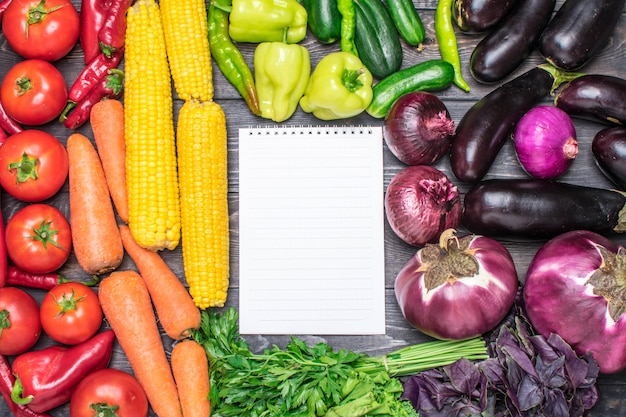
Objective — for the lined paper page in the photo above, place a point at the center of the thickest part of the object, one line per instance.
(311, 219)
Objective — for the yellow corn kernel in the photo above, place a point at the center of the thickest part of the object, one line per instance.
(151, 172)
(185, 27)
(202, 158)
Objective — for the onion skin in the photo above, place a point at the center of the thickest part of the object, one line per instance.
(420, 203)
(609, 151)
(559, 299)
(418, 128)
(545, 142)
(464, 307)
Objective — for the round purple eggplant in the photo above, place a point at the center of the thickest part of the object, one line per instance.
(609, 151)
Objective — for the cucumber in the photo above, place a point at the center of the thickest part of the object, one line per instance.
(324, 19)
(376, 39)
(407, 21)
(434, 74)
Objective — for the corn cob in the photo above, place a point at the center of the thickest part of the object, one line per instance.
(202, 156)
(152, 178)
(202, 153)
(186, 37)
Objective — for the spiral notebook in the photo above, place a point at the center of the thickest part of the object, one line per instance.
(311, 225)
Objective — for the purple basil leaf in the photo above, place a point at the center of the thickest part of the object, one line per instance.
(544, 349)
(521, 359)
(555, 404)
(529, 393)
(552, 374)
(464, 376)
(587, 397)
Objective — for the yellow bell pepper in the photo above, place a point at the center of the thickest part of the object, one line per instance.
(267, 21)
(281, 73)
(340, 87)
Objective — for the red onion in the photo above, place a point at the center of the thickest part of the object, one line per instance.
(575, 288)
(420, 203)
(418, 128)
(458, 289)
(545, 142)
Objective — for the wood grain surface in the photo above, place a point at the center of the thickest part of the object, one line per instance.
(611, 60)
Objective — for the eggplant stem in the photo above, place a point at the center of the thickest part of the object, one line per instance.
(559, 76)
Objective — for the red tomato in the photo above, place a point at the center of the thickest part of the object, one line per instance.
(34, 165)
(20, 326)
(41, 29)
(108, 388)
(38, 238)
(33, 92)
(70, 313)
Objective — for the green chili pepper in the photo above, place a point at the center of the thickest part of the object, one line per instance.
(348, 25)
(446, 38)
(228, 57)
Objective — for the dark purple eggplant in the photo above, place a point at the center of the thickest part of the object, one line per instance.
(538, 209)
(478, 16)
(595, 97)
(578, 31)
(485, 127)
(508, 44)
(609, 151)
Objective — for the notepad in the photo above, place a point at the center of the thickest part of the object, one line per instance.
(311, 230)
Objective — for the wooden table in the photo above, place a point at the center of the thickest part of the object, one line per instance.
(611, 60)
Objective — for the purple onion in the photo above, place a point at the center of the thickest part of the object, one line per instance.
(458, 289)
(545, 142)
(420, 203)
(418, 128)
(575, 288)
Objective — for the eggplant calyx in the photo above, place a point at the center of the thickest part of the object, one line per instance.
(559, 76)
(609, 281)
(448, 261)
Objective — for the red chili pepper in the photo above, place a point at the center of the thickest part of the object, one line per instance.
(92, 74)
(7, 124)
(17, 277)
(45, 379)
(113, 30)
(3, 136)
(92, 16)
(3, 7)
(110, 87)
(7, 381)
(3, 254)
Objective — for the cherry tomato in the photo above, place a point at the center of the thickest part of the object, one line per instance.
(105, 389)
(20, 326)
(38, 238)
(41, 29)
(34, 165)
(33, 92)
(70, 313)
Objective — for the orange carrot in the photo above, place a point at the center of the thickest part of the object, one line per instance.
(126, 305)
(175, 307)
(95, 235)
(191, 373)
(107, 124)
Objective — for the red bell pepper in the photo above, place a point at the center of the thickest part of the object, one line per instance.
(46, 378)
(110, 87)
(7, 381)
(92, 16)
(113, 31)
(17, 277)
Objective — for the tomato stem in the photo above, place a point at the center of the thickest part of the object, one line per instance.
(38, 13)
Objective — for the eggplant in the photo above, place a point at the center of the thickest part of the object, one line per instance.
(484, 128)
(505, 47)
(609, 151)
(478, 16)
(595, 97)
(578, 31)
(537, 209)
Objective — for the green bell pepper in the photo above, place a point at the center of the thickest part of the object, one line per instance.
(340, 87)
(281, 73)
(259, 21)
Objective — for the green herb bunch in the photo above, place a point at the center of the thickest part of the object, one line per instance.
(313, 381)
